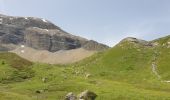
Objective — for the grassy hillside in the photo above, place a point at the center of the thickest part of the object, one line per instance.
(163, 57)
(128, 71)
(14, 68)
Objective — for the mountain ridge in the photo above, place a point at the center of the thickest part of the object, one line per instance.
(21, 34)
(40, 33)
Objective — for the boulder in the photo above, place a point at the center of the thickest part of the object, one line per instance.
(87, 76)
(44, 79)
(70, 96)
(87, 95)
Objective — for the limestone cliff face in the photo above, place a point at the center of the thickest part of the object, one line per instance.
(51, 40)
(41, 34)
(11, 34)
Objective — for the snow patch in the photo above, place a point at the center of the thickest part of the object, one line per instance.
(44, 20)
(26, 18)
(46, 30)
(22, 46)
(41, 29)
(11, 18)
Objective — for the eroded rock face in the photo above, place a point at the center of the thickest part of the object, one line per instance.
(51, 40)
(41, 34)
(11, 34)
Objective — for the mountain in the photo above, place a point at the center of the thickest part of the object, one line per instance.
(134, 69)
(42, 35)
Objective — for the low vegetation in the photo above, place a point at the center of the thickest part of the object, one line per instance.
(124, 72)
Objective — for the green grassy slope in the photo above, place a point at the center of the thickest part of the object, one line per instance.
(14, 68)
(123, 72)
(163, 57)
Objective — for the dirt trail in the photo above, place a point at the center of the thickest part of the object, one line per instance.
(154, 66)
(155, 70)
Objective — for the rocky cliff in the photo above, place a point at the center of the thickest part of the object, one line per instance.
(40, 34)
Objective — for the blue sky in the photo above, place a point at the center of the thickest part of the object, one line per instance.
(106, 21)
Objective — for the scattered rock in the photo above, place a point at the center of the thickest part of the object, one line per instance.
(155, 44)
(65, 77)
(70, 96)
(87, 95)
(77, 72)
(87, 76)
(39, 91)
(44, 80)
(163, 44)
(168, 43)
(3, 63)
(138, 50)
(137, 41)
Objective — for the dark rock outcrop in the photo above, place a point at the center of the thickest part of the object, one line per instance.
(93, 45)
(137, 41)
(41, 34)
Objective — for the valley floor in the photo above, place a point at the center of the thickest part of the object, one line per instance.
(129, 71)
(61, 80)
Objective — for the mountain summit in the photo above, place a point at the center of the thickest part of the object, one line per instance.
(40, 37)
(41, 34)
